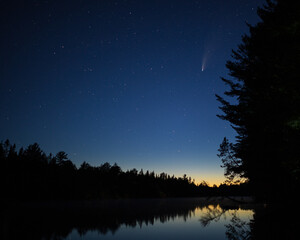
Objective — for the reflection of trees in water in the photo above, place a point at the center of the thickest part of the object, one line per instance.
(237, 229)
(270, 221)
(58, 221)
(214, 213)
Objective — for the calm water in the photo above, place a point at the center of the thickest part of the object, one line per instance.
(182, 226)
(142, 219)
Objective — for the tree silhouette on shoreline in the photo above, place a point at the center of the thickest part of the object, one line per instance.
(264, 83)
(30, 174)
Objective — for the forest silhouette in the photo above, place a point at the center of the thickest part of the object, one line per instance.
(30, 175)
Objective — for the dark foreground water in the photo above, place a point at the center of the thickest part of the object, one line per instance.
(187, 219)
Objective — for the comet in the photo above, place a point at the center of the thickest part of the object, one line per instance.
(203, 63)
(204, 59)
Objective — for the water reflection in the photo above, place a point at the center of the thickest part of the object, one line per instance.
(237, 227)
(214, 213)
(131, 219)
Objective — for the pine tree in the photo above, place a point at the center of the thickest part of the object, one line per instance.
(264, 81)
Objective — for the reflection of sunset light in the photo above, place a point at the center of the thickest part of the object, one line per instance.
(243, 214)
(200, 212)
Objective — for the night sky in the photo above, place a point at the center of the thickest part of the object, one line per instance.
(131, 82)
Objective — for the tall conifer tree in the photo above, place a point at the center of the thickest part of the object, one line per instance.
(264, 80)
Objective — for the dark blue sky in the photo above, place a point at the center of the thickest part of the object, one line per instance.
(131, 82)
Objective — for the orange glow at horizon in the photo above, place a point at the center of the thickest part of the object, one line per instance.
(210, 180)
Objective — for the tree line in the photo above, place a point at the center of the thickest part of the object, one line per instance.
(30, 174)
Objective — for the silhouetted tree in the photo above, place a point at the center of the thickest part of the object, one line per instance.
(85, 166)
(60, 157)
(266, 113)
(115, 170)
(233, 166)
